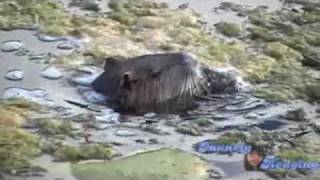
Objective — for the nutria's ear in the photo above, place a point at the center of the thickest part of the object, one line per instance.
(111, 62)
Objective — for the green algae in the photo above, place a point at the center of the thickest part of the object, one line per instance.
(84, 152)
(165, 164)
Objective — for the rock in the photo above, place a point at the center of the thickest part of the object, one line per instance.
(101, 126)
(85, 80)
(190, 130)
(184, 6)
(214, 174)
(108, 116)
(51, 73)
(251, 116)
(93, 97)
(153, 141)
(88, 69)
(141, 141)
(149, 115)
(155, 129)
(46, 38)
(311, 58)
(296, 115)
(14, 75)
(10, 46)
(67, 45)
(90, 5)
(125, 133)
(42, 56)
(36, 95)
(22, 52)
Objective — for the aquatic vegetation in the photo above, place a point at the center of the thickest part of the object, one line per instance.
(54, 127)
(84, 152)
(17, 147)
(49, 16)
(166, 164)
(228, 29)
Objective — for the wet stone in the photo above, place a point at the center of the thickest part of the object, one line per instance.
(51, 73)
(108, 116)
(85, 80)
(125, 133)
(10, 46)
(88, 69)
(14, 75)
(93, 97)
(251, 116)
(46, 38)
(42, 56)
(149, 115)
(190, 130)
(22, 52)
(36, 95)
(67, 45)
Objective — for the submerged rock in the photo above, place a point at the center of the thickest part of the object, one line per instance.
(36, 95)
(14, 75)
(12, 45)
(51, 73)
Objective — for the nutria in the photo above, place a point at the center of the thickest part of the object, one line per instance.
(156, 82)
(163, 82)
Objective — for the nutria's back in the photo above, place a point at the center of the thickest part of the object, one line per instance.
(156, 82)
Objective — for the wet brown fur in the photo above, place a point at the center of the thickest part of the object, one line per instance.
(157, 82)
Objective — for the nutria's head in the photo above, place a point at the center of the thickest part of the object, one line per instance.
(158, 82)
